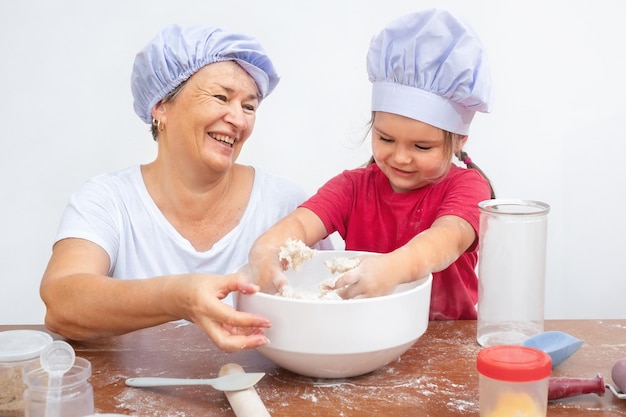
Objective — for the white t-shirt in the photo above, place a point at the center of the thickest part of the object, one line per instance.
(116, 212)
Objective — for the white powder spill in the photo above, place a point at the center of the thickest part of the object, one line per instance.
(405, 387)
(374, 392)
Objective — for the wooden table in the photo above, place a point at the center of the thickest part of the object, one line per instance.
(436, 377)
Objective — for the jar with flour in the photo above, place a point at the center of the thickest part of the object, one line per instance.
(18, 349)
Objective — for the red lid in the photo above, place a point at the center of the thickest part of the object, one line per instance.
(514, 363)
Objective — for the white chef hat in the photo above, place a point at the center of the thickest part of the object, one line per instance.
(430, 66)
(177, 53)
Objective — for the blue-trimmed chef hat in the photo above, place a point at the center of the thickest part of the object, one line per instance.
(177, 53)
(431, 67)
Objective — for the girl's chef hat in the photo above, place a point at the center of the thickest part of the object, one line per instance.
(430, 66)
(177, 53)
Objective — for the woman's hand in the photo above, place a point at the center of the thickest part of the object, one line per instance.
(230, 330)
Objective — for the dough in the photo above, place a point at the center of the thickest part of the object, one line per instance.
(294, 253)
(324, 293)
(341, 265)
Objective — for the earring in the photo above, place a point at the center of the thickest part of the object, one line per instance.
(160, 127)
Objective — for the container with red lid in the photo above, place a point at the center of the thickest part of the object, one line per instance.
(513, 381)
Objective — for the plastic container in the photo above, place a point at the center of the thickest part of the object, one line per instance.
(74, 397)
(513, 381)
(18, 349)
(511, 271)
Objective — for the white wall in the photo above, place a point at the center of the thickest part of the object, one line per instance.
(556, 133)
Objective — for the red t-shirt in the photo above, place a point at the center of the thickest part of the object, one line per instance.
(362, 207)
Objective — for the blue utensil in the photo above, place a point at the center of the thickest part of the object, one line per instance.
(559, 345)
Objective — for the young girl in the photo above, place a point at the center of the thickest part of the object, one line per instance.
(411, 203)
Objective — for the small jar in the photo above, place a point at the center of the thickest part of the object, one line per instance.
(513, 381)
(18, 349)
(72, 396)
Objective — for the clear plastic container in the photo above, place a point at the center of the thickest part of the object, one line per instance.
(513, 381)
(511, 271)
(74, 397)
(18, 349)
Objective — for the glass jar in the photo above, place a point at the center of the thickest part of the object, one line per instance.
(71, 397)
(511, 271)
(18, 349)
(513, 381)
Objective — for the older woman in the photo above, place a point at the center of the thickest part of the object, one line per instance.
(150, 244)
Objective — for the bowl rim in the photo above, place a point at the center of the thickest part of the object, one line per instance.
(419, 285)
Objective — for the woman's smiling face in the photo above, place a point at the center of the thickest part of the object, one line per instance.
(412, 154)
(211, 118)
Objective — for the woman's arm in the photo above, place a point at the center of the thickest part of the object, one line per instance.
(83, 303)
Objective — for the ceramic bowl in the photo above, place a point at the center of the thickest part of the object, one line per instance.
(559, 345)
(339, 338)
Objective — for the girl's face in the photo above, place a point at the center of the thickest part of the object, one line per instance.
(412, 154)
(208, 122)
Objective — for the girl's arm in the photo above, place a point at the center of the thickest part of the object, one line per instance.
(430, 251)
(265, 267)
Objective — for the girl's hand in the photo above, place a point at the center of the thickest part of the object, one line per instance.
(265, 270)
(375, 275)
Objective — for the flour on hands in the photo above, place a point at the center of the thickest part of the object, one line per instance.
(294, 253)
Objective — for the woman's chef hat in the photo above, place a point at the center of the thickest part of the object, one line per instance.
(177, 53)
(430, 66)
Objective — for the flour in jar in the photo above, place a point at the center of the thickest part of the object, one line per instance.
(294, 253)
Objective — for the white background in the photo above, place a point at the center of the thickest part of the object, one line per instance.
(556, 133)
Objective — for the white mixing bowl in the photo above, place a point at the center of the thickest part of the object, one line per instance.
(338, 338)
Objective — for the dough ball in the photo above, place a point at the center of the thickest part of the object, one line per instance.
(618, 374)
